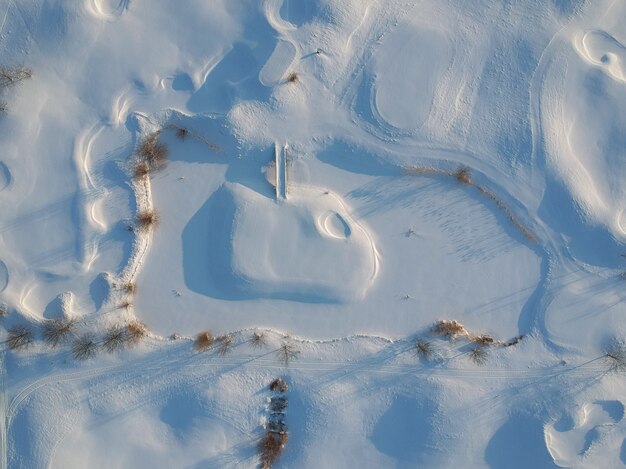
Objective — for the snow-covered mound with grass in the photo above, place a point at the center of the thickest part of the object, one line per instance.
(200, 197)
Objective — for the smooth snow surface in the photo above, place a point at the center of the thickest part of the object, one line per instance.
(313, 197)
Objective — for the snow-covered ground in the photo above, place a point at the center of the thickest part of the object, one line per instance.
(314, 199)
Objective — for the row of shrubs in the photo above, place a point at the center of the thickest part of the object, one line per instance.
(59, 331)
(273, 441)
(463, 175)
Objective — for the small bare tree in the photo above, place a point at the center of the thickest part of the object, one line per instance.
(12, 76)
(115, 339)
(478, 355)
(616, 354)
(20, 336)
(226, 343)
(287, 352)
(85, 347)
(258, 339)
(423, 349)
(58, 330)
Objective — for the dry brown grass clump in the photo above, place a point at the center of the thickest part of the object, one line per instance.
(135, 331)
(19, 336)
(258, 340)
(147, 219)
(423, 349)
(478, 355)
(278, 384)
(484, 340)
(226, 343)
(287, 352)
(129, 287)
(463, 175)
(293, 77)
(115, 339)
(141, 170)
(85, 347)
(204, 340)
(451, 329)
(153, 152)
(270, 448)
(58, 330)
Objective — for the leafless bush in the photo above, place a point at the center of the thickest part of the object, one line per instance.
(153, 152)
(278, 404)
(129, 287)
(115, 339)
(19, 336)
(288, 352)
(463, 175)
(12, 76)
(276, 426)
(225, 342)
(125, 304)
(514, 341)
(293, 77)
(147, 219)
(258, 340)
(478, 355)
(85, 347)
(483, 340)
(181, 133)
(616, 354)
(452, 329)
(135, 331)
(423, 349)
(204, 340)
(57, 330)
(270, 448)
(4, 309)
(278, 384)
(141, 170)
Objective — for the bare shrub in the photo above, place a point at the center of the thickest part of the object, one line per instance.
(147, 219)
(129, 287)
(423, 349)
(115, 339)
(463, 175)
(57, 330)
(278, 404)
(483, 340)
(616, 354)
(478, 355)
(85, 347)
(258, 340)
(204, 340)
(19, 336)
(293, 77)
(278, 384)
(451, 329)
(135, 331)
(287, 352)
(226, 343)
(125, 304)
(12, 76)
(514, 341)
(276, 426)
(141, 170)
(4, 309)
(181, 133)
(153, 152)
(270, 448)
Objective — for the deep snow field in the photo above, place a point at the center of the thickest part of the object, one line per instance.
(315, 200)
